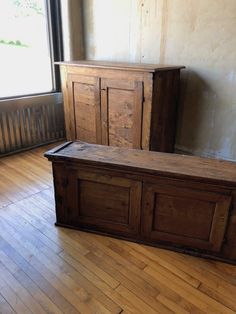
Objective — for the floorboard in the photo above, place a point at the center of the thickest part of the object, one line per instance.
(47, 269)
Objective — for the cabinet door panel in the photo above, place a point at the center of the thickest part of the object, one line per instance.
(122, 113)
(181, 216)
(84, 94)
(103, 202)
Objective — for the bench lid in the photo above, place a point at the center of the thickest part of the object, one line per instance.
(164, 164)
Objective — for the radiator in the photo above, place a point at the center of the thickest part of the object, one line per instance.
(30, 122)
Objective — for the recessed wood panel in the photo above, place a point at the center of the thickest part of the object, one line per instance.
(85, 112)
(84, 93)
(120, 115)
(104, 201)
(84, 96)
(85, 119)
(183, 216)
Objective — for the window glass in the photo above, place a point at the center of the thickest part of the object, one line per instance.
(25, 54)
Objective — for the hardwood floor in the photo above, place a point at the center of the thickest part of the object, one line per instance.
(46, 269)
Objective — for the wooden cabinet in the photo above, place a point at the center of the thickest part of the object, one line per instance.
(121, 104)
(180, 202)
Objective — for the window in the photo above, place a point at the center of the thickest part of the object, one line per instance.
(27, 47)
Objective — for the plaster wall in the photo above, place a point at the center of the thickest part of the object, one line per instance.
(72, 29)
(200, 34)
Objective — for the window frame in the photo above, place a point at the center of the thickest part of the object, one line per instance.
(55, 20)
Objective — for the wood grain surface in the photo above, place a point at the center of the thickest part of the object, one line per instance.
(120, 65)
(173, 165)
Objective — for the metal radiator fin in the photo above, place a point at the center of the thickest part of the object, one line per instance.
(28, 124)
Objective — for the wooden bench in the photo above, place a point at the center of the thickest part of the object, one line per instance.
(173, 201)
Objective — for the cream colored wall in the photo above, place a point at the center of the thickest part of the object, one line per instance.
(200, 34)
(72, 29)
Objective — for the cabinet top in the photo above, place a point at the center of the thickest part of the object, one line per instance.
(164, 164)
(121, 65)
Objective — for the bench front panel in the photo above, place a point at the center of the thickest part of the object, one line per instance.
(183, 216)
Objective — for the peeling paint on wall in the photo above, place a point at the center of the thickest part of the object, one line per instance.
(198, 34)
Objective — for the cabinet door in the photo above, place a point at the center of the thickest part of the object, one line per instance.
(186, 217)
(103, 202)
(84, 100)
(121, 112)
